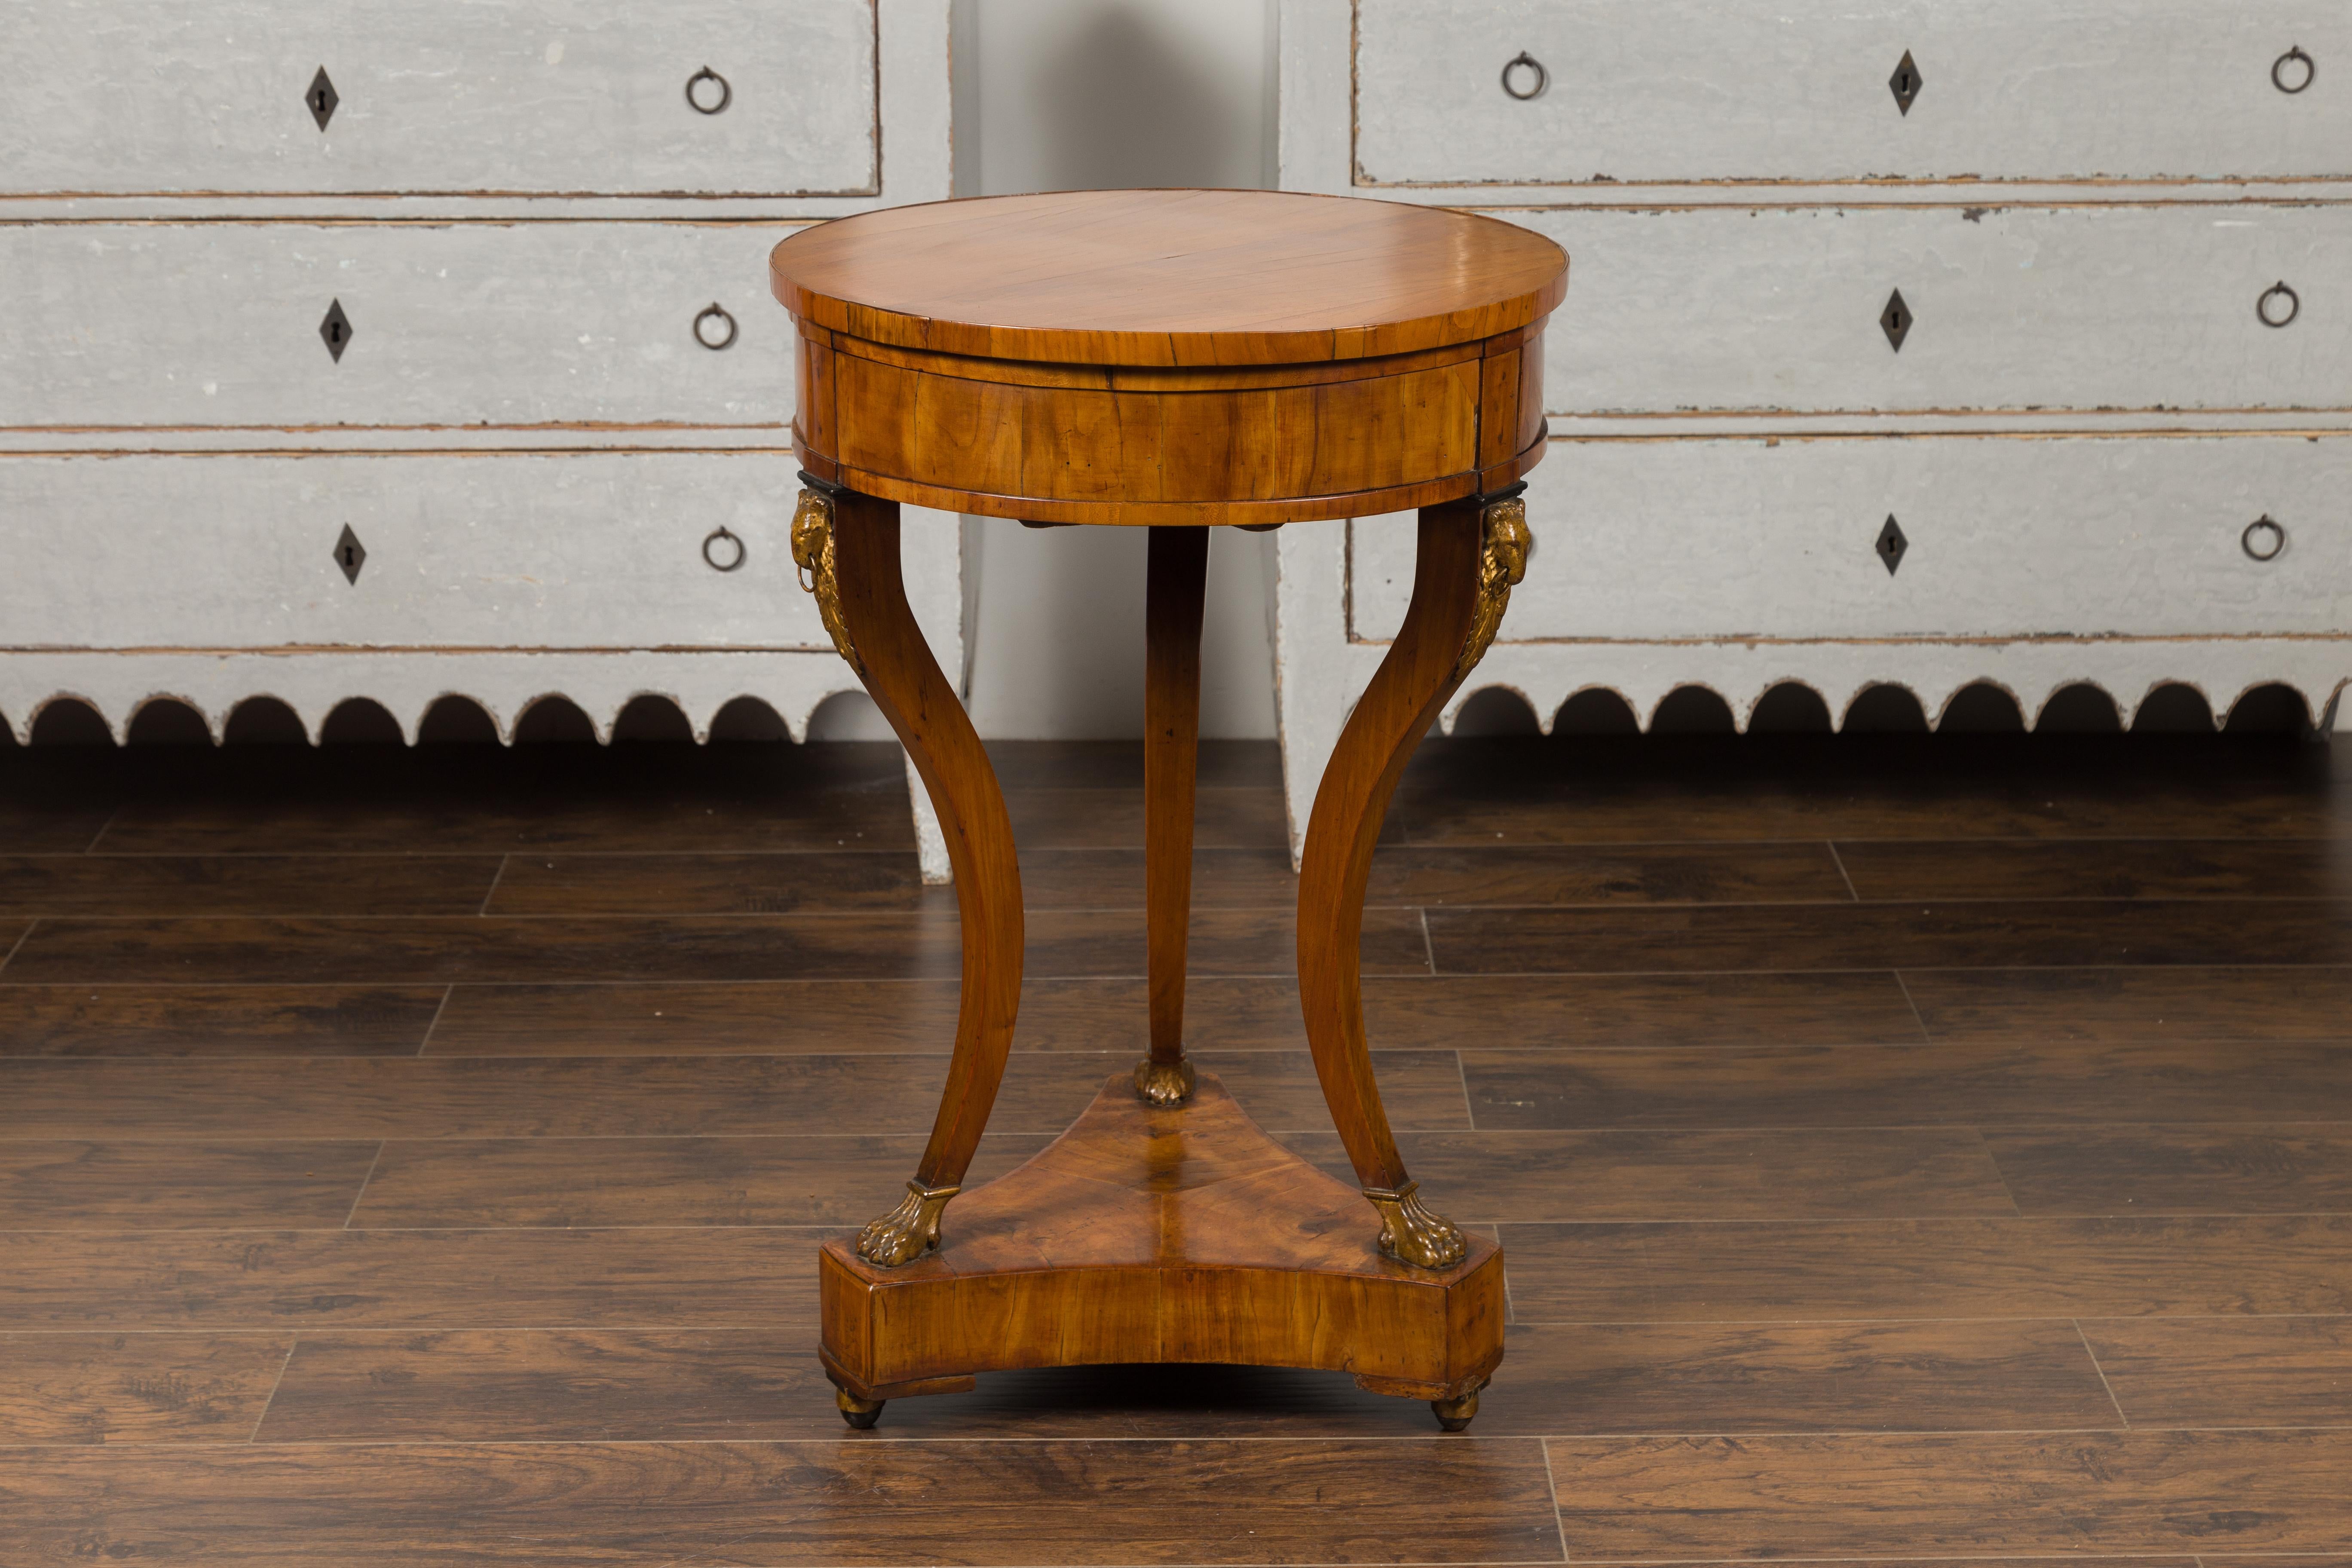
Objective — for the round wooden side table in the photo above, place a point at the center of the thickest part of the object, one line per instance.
(1174, 360)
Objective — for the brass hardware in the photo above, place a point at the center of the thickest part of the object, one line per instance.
(2294, 305)
(907, 1232)
(350, 554)
(1905, 83)
(2278, 71)
(1455, 1415)
(813, 553)
(862, 1414)
(1891, 544)
(1410, 1234)
(1502, 562)
(335, 330)
(322, 99)
(1164, 1084)
(2270, 532)
(1895, 321)
(706, 313)
(726, 94)
(715, 537)
(1543, 76)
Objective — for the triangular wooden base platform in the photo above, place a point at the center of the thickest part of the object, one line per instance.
(1143, 1234)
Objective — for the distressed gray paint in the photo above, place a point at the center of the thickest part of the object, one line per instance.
(519, 97)
(2008, 537)
(1689, 90)
(1776, 308)
(504, 324)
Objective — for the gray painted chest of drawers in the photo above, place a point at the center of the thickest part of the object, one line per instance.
(399, 352)
(2110, 417)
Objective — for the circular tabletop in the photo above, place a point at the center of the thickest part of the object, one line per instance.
(1169, 278)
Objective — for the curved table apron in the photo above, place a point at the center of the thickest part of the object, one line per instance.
(1173, 359)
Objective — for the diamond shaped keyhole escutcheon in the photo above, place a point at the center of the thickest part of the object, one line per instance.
(350, 554)
(1895, 321)
(1890, 546)
(322, 99)
(335, 331)
(1905, 84)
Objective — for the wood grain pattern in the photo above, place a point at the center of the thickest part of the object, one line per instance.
(2227, 1371)
(308, 1279)
(2253, 1168)
(560, 1384)
(396, 950)
(2065, 933)
(48, 1184)
(1169, 278)
(1803, 1086)
(114, 1019)
(837, 1502)
(827, 1017)
(440, 950)
(710, 884)
(2187, 1002)
(1858, 1270)
(1591, 874)
(1486, 1178)
(1638, 1011)
(462, 1096)
(807, 1179)
(2114, 869)
(1660, 1499)
(572, 1386)
(136, 1387)
(242, 885)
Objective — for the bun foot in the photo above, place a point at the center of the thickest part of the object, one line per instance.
(861, 1414)
(1454, 1414)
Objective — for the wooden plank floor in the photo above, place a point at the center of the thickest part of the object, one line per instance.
(1906, 1149)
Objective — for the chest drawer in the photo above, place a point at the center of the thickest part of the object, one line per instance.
(526, 97)
(586, 551)
(2116, 307)
(2003, 538)
(1804, 90)
(447, 324)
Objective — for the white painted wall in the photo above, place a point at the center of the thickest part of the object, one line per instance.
(1087, 95)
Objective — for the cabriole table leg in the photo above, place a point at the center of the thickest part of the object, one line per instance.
(847, 548)
(1470, 553)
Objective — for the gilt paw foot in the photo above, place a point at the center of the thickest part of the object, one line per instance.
(1410, 1234)
(907, 1232)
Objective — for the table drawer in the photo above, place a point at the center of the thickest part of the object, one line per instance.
(584, 550)
(2003, 537)
(525, 97)
(1689, 90)
(1780, 308)
(219, 323)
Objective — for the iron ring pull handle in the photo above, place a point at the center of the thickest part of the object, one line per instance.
(1543, 76)
(2278, 71)
(718, 536)
(2294, 305)
(726, 94)
(708, 311)
(2263, 527)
